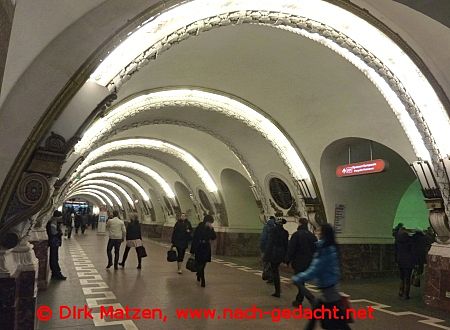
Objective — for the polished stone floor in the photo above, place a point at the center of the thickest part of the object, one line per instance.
(232, 283)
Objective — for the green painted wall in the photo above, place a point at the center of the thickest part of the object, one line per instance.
(412, 210)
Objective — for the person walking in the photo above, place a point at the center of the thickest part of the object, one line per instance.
(70, 223)
(77, 222)
(270, 224)
(325, 271)
(300, 254)
(117, 232)
(54, 234)
(134, 239)
(181, 236)
(406, 260)
(201, 246)
(276, 252)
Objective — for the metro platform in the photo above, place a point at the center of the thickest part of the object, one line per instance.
(231, 283)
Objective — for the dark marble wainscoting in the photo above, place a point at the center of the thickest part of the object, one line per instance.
(41, 251)
(166, 233)
(18, 301)
(237, 244)
(437, 283)
(7, 302)
(367, 260)
(152, 230)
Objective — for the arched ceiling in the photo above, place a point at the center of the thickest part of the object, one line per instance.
(314, 95)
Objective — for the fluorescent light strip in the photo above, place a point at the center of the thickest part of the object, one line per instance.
(134, 166)
(110, 184)
(101, 194)
(155, 145)
(121, 177)
(106, 190)
(206, 101)
(86, 193)
(390, 54)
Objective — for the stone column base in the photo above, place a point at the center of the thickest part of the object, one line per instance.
(437, 282)
(41, 251)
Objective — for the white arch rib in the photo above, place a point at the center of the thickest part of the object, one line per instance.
(101, 194)
(155, 145)
(81, 192)
(206, 101)
(134, 166)
(103, 189)
(110, 184)
(120, 177)
(362, 32)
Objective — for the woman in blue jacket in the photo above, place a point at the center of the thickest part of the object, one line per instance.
(325, 272)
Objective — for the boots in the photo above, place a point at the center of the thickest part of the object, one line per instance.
(179, 264)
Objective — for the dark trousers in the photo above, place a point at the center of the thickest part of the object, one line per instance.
(276, 276)
(113, 243)
(335, 324)
(54, 261)
(83, 228)
(180, 253)
(302, 293)
(201, 272)
(405, 281)
(125, 256)
(69, 231)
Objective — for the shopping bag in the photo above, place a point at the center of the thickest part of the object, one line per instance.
(172, 255)
(191, 264)
(140, 250)
(267, 272)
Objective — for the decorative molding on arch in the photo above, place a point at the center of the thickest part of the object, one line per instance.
(308, 27)
(247, 167)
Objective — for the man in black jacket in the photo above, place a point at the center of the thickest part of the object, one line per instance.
(300, 254)
(54, 234)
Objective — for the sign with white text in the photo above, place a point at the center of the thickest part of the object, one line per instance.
(369, 167)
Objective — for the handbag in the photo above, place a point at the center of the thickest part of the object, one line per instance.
(172, 255)
(140, 250)
(415, 281)
(267, 272)
(191, 264)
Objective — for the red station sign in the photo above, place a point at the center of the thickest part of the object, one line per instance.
(369, 167)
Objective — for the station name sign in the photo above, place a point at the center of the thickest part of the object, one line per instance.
(369, 167)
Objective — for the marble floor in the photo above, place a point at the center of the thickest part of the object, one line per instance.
(233, 285)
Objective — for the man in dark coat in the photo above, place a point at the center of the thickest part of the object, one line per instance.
(406, 260)
(201, 246)
(276, 252)
(300, 254)
(54, 234)
(181, 236)
(270, 224)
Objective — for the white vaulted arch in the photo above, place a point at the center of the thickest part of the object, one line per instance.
(89, 193)
(120, 177)
(97, 192)
(203, 100)
(110, 184)
(151, 144)
(408, 92)
(103, 189)
(134, 166)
